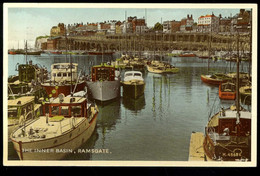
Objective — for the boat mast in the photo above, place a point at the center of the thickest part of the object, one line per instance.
(102, 53)
(237, 84)
(210, 38)
(70, 75)
(230, 44)
(250, 56)
(26, 52)
(66, 43)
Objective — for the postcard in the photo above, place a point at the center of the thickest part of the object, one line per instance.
(130, 84)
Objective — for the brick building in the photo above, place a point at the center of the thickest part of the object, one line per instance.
(187, 23)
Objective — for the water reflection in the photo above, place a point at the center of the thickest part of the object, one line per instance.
(89, 144)
(135, 105)
(108, 117)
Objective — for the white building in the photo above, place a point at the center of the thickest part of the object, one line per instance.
(127, 27)
(208, 23)
(167, 25)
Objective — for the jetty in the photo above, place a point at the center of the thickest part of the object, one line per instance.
(196, 152)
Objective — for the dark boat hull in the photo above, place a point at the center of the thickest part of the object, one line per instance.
(55, 90)
(133, 90)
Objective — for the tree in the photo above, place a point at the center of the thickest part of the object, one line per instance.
(158, 27)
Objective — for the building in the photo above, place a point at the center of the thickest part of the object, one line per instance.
(175, 26)
(186, 24)
(57, 30)
(118, 27)
(208, 23)
(167, 25)
(137, 23)
(243, 21)
(127, 27)
(224, 24)
(52, 43)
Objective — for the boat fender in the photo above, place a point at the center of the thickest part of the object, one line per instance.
(73, 123)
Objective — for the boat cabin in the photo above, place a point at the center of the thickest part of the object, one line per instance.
(62, 72)
(23, 106)
(228, 87)
(66, 107)
(103, 73)
(29, 72)
(129, 75)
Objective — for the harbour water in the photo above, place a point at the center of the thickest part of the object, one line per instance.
(158, 125)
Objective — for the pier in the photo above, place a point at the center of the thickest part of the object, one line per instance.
(196, 152)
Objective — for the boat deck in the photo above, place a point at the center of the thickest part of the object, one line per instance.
(196, 151)
(42, 130)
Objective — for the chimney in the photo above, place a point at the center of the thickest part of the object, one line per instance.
(191, 16)
(188, 16)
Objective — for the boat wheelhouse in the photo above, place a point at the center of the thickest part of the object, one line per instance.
(21, 111)
(66, 124)
(133, 84)
(227, 91)
(104, 83)
(64, 79)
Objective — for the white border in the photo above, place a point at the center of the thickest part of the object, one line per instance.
(132, 163)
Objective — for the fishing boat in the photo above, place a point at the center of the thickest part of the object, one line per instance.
(22, 110)
(64, 79)
(228, 132)
(133, 84)
(56, 52)
(161, 67)
(187, 54)
(104, 83)
(33, 52)
(12, 52)
(215, 79)
(28, 81)
(227, 91)
(245, 93)
(66, 124)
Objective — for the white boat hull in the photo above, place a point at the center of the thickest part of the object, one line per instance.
(104, 90)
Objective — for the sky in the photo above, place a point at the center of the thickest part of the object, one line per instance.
(27, 23)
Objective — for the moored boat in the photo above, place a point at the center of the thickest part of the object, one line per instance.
(66, 124)
(133, 84)
(228, 136)
(215, 79)
(27, 82)
(100, 53)
(245, 93)
(32, 52)
(161, 67)
(64, 79)
(227, 91)
(104, 83)
(187, 54)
